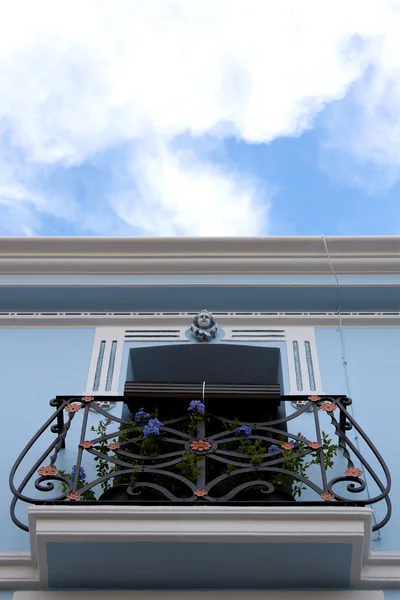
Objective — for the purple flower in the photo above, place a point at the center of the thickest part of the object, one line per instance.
(273, 448)
(152, 427)
(243, 430)
(141, 416)
(82, 474)
(198, 406)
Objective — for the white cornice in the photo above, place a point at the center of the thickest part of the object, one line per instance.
(276, 255)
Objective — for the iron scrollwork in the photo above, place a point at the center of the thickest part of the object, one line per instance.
(202, 453)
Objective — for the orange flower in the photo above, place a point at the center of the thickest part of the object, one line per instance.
(314, 398)
(86, 444)
(87, 398)
(200, 493)
(113, 446)
(73, 408)
(353, 472)
(327, 496)
(73, 496)
(287, 446)
(314, 445)
(200, 445)
(328, 407)
(47, 471)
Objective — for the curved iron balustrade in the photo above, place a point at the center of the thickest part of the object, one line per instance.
(222, 470)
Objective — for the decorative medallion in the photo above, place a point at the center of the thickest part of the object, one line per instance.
(47, 471)
(200, 445)
(327, 496)
(86, 444)
(353, 472)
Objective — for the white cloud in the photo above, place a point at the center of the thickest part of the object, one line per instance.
(81, 77)
(177, 193)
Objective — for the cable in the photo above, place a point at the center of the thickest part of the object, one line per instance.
(344, 363)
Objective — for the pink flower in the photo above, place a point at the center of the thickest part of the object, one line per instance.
(327, 496)
(73, 408)
(200, 445)
(328, 407)
(353, 472)
(200, 493)
(86, 444)
(73, 496)
(287, 446)
(314, 445)
(113, 446)
(314, 398)
(47, 471)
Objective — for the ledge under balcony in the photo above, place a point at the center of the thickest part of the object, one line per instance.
(242, 488)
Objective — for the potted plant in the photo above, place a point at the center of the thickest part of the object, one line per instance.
(253, 466)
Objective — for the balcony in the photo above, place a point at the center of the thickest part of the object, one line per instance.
(243, 464)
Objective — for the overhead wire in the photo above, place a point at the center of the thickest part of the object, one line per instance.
(345, 366)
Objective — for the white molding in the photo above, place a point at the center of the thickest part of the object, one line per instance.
(252, 332)
(201, 595)
(233, 283)
(154, 333)
(302, 335)
(307, 255)
(107, 335)
(157, 524)
(165, 333)
(175, 319)
(18, 571)
(382, 569)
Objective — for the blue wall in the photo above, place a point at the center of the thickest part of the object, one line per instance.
(39, 363)
(36, 365)
(373, 382)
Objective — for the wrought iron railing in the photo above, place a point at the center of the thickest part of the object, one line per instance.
(213, 451)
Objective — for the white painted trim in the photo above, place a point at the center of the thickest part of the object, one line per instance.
(307, 255)
(252, 332)
(202, 595)
(207, 524)
(184, 284)
(108, 335)
(18, 571)
(289, 334)
(310, 337)
(157, 333)
(381, 570)
(227, 320)
(302, 335)
(258, 524)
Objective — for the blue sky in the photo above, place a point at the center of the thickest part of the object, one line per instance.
(200, 118)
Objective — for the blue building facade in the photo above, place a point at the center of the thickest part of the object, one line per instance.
(93, 330)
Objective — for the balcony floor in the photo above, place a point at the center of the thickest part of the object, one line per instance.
(166, 547)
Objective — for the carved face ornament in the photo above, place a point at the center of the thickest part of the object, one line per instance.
(204, 328)
(204, 320)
